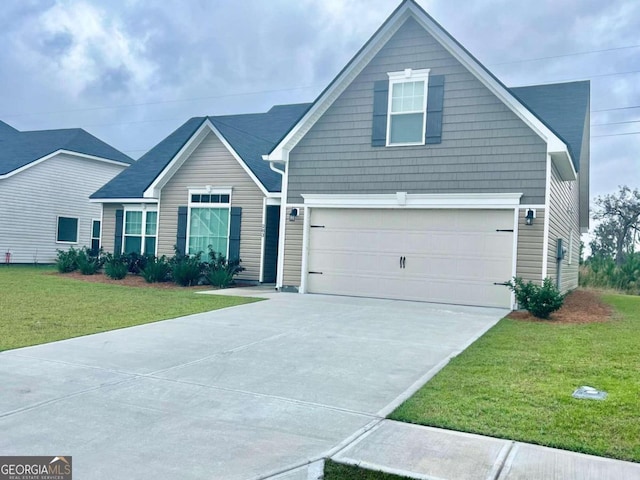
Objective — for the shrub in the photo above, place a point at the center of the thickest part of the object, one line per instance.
(540, 301)
(115, 267)
(135, 262)
(157, 270)
(220, 271)
(88, 262)
(67, 261)
(186, 270)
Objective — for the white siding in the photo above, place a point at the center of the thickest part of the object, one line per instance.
(31, 201)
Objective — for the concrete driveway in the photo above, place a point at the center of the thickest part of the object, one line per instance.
(245, 392)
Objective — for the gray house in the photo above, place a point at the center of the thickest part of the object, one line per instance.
(418, 175)
(46, 178)
(205, 184)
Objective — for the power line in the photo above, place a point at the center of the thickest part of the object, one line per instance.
(614, 123)
(616, 108)
(616, 134)
(587, 52)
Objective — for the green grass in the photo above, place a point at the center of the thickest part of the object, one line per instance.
(38, 306)
(338, 471)
(516, 382)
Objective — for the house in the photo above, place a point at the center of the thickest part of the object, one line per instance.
(46, 178)
(205, 184)
(418, 175)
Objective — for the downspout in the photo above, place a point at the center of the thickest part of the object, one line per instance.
(283, 216)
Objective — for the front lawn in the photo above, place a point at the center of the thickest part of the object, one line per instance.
(339, 471)
(516, 382)
(39, 306)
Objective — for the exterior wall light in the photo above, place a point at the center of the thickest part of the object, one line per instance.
(531, 214)
(293, 215)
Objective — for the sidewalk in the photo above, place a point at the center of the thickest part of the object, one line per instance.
(431, 453)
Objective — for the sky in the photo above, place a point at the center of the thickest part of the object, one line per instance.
(132, 71)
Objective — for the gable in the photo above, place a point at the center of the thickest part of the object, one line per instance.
(484, 145)
(409, 9)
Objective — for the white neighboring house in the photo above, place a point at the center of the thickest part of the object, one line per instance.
(46, 178)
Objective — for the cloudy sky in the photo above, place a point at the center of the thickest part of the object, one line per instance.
(131, 71)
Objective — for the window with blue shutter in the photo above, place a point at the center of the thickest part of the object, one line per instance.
(407, 109)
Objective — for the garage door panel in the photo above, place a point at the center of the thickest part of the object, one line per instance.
(452, 256)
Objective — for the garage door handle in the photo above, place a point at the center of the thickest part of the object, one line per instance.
(504, 284)
(403, 262)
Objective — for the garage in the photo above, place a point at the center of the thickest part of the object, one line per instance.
(457, 256)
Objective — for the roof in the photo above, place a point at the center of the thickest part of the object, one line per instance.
(563, 107)
(250, 136)
(19, 149)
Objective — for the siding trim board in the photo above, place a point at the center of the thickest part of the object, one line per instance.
(406, 10)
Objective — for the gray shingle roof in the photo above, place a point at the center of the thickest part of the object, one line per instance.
(563, 107)
(18, 149)
(250, 135)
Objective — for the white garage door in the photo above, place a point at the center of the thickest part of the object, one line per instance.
(445, 256)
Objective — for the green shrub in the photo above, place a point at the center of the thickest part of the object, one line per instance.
(67, 261)
(135, 262)
(115, 267)
(156, 270)
(88, 262)
(602, 272)
(540, 301)
(219, 271)
(186, 270)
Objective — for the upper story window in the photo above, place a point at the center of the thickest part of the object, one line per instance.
(407, 111)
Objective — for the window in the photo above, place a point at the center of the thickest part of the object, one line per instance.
(95, 236)
(140, 231)
(407, 111)
(67, 230)
(209, 214)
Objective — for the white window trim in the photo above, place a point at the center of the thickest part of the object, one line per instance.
(144, 208)
(62, 242)
(405, 76)
(208, 191)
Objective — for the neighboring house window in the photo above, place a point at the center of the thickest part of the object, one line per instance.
(140, 231)
(407, 111)
(67, 230)
(95, 236)
(209, 213)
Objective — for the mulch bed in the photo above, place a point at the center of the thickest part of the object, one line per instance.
(580, 306)
(128, 281)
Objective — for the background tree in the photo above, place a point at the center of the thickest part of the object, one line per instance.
(619, 213)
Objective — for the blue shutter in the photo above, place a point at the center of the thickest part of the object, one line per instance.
(380, 107)
(435, 103)
(181, 237)
(234, 234)
(117, 241)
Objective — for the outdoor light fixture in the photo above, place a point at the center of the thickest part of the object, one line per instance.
(531, 214)
(293, 214)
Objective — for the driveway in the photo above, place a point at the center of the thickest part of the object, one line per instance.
(240, 393)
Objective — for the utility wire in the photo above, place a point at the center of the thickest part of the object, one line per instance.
(614, 123)
(586, 52)
(616, 134)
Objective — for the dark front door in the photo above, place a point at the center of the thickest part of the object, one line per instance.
(271, 234)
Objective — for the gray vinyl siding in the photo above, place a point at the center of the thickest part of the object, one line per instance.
(31, 201)
(530, 247)
(212, 164)
(563, 211)
(485, 146)
(293, 250)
